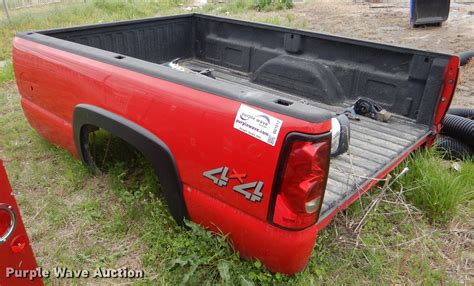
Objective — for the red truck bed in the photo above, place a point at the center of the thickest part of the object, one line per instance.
(271, 185)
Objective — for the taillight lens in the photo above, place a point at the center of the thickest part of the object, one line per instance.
(7, 222)
(303, 179)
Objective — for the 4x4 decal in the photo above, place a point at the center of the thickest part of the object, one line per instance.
(243, 188)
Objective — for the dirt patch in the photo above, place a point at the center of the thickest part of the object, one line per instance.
(391, 25)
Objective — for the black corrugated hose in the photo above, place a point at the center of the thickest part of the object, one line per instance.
(458, 128)
(463, 112)
(452, 148)
(465, 57)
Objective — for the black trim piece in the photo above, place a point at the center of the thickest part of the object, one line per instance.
(112, 24)
(283, 160)
(88, 118)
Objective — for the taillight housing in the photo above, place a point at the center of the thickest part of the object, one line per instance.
(7, 222)
(301, 181)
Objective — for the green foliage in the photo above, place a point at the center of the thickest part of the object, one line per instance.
(434, 187)
(269, 5)
(242, 6)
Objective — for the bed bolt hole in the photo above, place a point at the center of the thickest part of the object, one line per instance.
(427, 60)
(119, 57)
(30, 33)
(31, 87)
(284, 102)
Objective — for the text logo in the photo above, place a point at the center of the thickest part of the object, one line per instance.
(220, 176)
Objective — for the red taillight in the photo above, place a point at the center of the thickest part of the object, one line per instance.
(7, 222)
(302, 181)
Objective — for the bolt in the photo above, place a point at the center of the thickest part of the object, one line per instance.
(450, 81)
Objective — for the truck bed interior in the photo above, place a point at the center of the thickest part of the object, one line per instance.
(303, 70)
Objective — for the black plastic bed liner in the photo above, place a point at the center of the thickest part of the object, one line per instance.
(374, 145)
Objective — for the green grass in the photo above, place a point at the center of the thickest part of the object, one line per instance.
(6, 73)
(435, 187)
(240, 6)
(415, 235)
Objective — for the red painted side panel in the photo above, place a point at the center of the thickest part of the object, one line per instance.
(279, 250)
(196, 126)
(15, 252)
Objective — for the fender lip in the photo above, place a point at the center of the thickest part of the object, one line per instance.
(153, 148)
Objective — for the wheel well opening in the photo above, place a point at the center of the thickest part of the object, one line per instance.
(106, 142)
(108, 153)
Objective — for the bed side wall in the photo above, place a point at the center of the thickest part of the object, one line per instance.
(155, 41)
(404, 81)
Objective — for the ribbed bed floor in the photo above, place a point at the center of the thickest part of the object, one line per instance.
(374, 145)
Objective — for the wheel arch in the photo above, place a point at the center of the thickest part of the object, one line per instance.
(87, 118)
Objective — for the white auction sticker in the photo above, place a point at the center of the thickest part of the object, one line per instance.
(258, 124)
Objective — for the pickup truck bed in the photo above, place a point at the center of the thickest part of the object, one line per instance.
(271, 183)
(374, 145)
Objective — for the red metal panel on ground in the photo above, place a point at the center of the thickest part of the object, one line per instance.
(15, 252)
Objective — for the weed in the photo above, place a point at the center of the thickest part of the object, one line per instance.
(434, 187)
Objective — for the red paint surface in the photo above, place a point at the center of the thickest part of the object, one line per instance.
(449, 86)
(450, 80)
(16, 252)
(279, 250)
